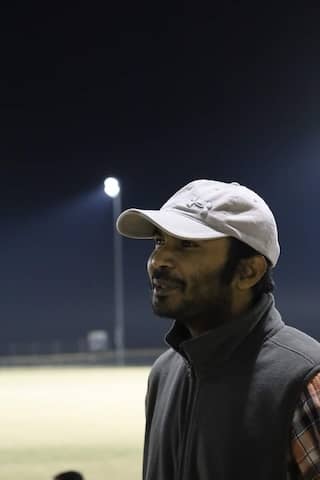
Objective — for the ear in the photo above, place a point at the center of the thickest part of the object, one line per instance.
(250, 271)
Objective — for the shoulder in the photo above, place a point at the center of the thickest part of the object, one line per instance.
(165, 362)
(297, 343)
(167, 365)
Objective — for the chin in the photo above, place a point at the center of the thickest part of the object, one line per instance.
(162, 310)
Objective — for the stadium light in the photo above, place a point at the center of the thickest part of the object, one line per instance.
(113, 190)
(112, 187)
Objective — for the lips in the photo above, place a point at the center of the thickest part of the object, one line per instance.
(164, 287)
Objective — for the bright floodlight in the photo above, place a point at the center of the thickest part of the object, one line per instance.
(111, 187)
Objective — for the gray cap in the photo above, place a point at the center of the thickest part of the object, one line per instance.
(208, 209)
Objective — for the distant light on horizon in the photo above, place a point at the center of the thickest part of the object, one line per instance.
(112, 187)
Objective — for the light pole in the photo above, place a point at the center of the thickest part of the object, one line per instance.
(113, 190)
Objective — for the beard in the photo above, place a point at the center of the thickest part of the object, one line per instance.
(204, 298)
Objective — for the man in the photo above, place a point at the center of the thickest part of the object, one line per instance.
(237, 395)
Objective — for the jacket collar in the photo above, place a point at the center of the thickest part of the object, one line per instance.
(216, 346)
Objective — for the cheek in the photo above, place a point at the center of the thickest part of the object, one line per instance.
(192, 286)
(204, 285)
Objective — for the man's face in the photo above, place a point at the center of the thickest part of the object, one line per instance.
(185, 279)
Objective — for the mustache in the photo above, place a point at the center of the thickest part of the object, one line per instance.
(165, 276)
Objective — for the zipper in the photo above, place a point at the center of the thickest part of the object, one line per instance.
(189, 415)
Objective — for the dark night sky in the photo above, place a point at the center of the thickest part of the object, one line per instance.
(158, 95)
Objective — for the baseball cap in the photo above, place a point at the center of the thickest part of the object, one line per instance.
(209, 209)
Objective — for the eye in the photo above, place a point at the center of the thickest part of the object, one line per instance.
(158, 241)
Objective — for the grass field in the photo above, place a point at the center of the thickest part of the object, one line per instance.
(88, 419)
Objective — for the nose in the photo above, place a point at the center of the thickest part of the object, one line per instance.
(161, 258)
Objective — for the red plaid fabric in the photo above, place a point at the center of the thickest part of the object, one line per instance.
(305, 440)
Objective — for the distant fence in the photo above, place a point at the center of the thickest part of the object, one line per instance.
(52, 347)
(131, 357)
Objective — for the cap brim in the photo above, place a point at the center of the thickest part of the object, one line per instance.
(134, 223)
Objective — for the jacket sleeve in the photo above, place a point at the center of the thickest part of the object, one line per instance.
(305, 434)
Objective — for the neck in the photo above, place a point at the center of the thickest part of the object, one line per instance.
(212, 320)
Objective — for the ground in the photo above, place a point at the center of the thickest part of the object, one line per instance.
(88, 419)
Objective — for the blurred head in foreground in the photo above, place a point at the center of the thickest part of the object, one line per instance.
(69, 475)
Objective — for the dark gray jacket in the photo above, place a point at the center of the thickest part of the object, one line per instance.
(220, 406)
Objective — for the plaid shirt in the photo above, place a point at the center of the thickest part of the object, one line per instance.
(304, 461)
